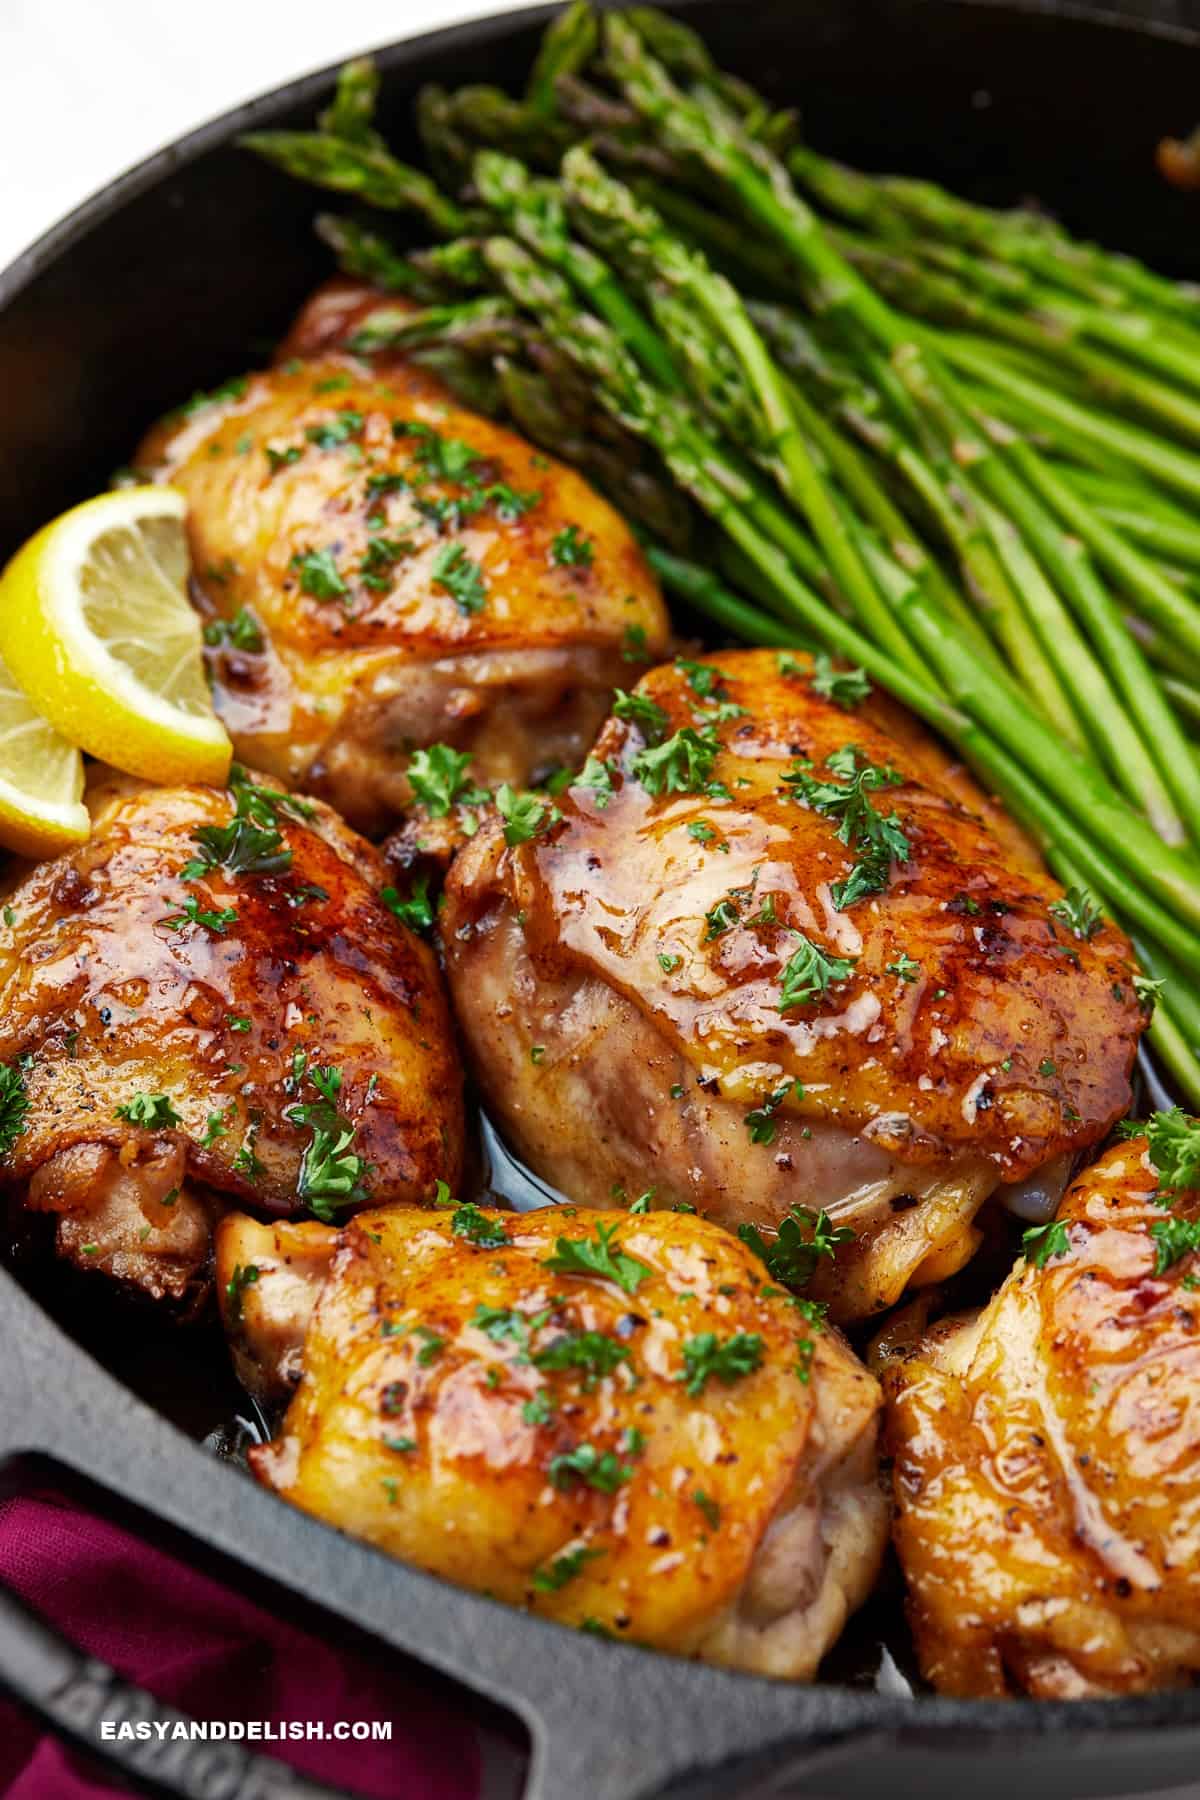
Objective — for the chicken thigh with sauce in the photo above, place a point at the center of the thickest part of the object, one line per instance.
(210, 1003)
(615, 1424)
(1047, 1457)
(382, 569)
(773, 955)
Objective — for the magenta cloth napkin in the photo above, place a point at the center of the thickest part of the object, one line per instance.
(216, 1655)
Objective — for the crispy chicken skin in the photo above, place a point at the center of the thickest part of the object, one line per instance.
(113, 992)
(549, 1436)
(322, 500)
(617, 981)
(1047, 1462)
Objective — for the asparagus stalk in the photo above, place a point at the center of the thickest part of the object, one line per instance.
(1054, 336)
(1159, 884)
(640, 234)
(364, 168)
(568, 45)
(702, 590)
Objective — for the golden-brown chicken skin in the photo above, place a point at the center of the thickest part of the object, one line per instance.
(1047, 1459)
(620, 979)
(677, 1455)
(202, 1032)
(382, 569)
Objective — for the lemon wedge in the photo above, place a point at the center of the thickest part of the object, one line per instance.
(96, 628)
(41, 780)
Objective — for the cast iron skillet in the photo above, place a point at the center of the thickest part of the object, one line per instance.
(184, 271)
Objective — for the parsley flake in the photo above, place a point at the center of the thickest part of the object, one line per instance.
(600, 1256)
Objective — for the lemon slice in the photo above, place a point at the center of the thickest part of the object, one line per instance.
(41, 780)
(95, 626)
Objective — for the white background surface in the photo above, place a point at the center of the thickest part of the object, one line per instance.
(88, 87)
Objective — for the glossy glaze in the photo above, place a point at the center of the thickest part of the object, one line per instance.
(109, 1000)
(345, 687)
(591, 986)
(1047, 1462)
(416, 1427)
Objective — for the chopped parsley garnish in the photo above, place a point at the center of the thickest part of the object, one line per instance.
(233, 389)
(375, 569)
(501, 1322)
(438, 778)
(215, 1128)
(336, 431)
(239, 633)
(193, 913)
(1041, 1242)
(14, 1104)
(600, 1255)
(1175, 1238)
(461, 577)
(441, 458)
(668, 963)
(709, 1508)
(706, 1356)
(633, 644)
(646, 714)
(591, 1351)
(524, 815)
(760, 1122)
(681, 765)
(246, 1162)
(703, 678)
(154, 1111)
(282, 459)
(251, 844)
(876, 838)
(728, 911)
(905, 967)
(331, 1171)
(563, 1569)
(572, 550)
(417, 912)
(540, 1409)
(1080, 912)
(597, 777)
(810, 972)
(1147, 989)
(1174, 1142)
(431, 1345)
(804, 1239)
(486, 1234)
(235, 1288)
(319, 575)
(845, 687)
(606, 1473)
(511, 504)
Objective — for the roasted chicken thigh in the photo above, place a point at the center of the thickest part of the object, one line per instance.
(772, 955)
(381, 569)
(1047, 1457)
(616, 1424)
(209, 1002)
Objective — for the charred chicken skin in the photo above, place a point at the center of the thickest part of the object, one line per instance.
(612, 1423)
(210, 1003)
(381, 569)
(1047, 1457)
(772, 954)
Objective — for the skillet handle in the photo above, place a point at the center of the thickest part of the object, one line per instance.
(76, 1695)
